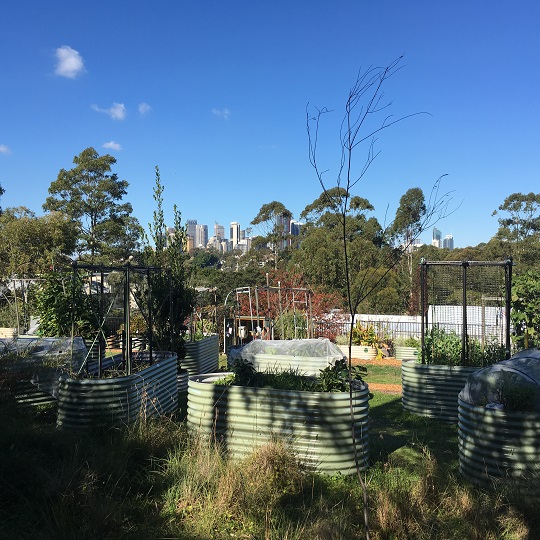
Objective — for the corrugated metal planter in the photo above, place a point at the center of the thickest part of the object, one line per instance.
(182, 379)
(431, 390)
(360, 352)
(317, 424)
(8, 333)
(406, 353)
(499, 445)
(201, 356)
(121, 400)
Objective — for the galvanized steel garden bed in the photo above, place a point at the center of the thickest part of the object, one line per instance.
(316, 424)
(432, 390)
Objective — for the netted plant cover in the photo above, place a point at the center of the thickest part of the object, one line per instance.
(510, 385)
(314, 348)
(42, 361)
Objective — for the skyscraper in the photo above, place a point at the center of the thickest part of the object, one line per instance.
(235, 233)
(448, 242)
(201, 236)
(219, 231)
(192, 229)
(437, 238)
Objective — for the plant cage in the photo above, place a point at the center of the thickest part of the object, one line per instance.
(132, 314)
(465, 307)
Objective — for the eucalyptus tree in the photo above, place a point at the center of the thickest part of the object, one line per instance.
(273, 218)
(92, 196)
(520, 225)
(31, 245)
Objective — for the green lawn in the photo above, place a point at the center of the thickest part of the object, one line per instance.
(382, 374)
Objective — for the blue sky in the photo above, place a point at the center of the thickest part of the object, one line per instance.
(215, 94)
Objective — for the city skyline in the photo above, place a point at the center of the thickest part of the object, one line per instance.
(219, 99)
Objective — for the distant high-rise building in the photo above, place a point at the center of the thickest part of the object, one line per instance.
(448, 242)
(192, 228)
(437, 238)
(219, 231)
(235, 233)
(294, 231)
(201, 236)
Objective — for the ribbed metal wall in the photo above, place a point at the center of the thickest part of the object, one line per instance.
(499, 445)
(120, 400)
(406, 353)
(432, 391)
(182, 379)
(201, 356)
(317, 424)
(360, 352)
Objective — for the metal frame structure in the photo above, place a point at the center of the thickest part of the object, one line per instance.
(465, 265)
(127, 270)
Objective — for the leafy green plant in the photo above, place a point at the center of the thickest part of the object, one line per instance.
(442, 347)
(337, 377)
(525, 313)
(408, 341)
(334, 378)
(62, 306)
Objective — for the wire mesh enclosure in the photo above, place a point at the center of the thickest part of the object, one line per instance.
(465, 312)
(130, 315)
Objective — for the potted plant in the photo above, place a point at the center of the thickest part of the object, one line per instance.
(245, 408)
(366, 344)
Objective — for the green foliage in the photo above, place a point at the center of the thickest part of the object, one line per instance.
(334, 378)
(92, 197)
(30, 245)
(338, 377)
(60, 302)
(169, 287)
(445, 348)
(408, 341)
(365, 335)
(525, 313)
(442, 347)
(272, 218)
(291, 325)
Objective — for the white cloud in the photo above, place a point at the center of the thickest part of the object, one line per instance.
(222, 113)
(69, 62)
(111, 145)
(4, 149)
(144, 108)
(116, 112)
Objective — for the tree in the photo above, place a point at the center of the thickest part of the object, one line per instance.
(2, 191)
(363, 120)
(31, 245)
(274, 219)
(92, 196)
(521, 226)
(172, 299)
(406, 227)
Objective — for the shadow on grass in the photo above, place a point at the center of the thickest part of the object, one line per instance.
(404, 437)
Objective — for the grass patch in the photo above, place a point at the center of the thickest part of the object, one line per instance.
(155, 480)
(382, 374)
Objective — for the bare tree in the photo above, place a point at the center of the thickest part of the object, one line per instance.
(364, 119)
